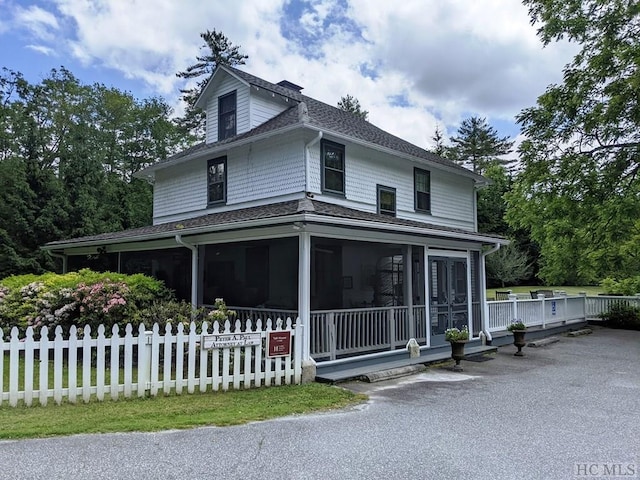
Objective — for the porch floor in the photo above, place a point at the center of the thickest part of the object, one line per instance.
(360, 369)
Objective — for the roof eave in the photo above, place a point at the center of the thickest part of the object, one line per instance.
(201, 102)
(284, 219)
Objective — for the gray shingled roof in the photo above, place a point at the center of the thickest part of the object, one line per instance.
(265, 212)
(323, 117)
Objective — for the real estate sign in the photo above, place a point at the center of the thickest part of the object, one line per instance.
(279, 343)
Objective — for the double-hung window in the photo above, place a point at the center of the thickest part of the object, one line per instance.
(332, 167)
(217, 180)
(386, 200)
(227, 116)
(422, 185)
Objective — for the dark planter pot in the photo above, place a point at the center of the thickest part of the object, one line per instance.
(518, 341)
(457, 353)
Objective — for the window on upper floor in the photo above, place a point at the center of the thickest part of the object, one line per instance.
(422, 186)
(217, 180)
(332, 167)
(386, 200)
(227, 116)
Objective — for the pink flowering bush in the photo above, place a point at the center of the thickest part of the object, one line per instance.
(79, 298)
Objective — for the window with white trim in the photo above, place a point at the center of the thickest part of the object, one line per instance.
(227, 116)
(217, 181)
(386, 200)
(332, 167)
(422, 187)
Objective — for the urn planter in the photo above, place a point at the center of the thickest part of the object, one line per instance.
(457, 353)
(518, 341)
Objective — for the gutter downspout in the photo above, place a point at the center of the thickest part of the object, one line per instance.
(307, 164)
(61, 256)
(483, 289)
(194, 269)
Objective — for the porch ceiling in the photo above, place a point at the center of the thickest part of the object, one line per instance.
(304, 210)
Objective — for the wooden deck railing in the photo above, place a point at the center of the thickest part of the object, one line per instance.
(338, 333)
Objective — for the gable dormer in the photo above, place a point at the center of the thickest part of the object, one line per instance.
(234, 104)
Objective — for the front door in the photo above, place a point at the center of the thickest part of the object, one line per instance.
(448, 296)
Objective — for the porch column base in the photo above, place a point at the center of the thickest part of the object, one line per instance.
(308, 371)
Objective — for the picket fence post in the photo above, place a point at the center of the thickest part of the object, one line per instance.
(101, 345)
(86, 364)
(13, 367)
(114, 364)
(58, 360)
(29, 346)
(1, 366)
(44, 366)
(72, 364)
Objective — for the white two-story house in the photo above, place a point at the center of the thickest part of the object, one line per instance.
(292, 207)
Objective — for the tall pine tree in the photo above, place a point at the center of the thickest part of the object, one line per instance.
(477, 145)
(218, 51)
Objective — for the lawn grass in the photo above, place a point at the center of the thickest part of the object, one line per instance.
(590, 289)
(172, 412)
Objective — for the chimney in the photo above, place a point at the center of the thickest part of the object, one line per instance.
(290, 85)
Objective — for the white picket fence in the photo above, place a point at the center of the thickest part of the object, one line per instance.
(84, 366)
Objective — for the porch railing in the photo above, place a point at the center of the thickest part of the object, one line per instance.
(253, 314)
(594, 306)
(337, 333)
(542, 311)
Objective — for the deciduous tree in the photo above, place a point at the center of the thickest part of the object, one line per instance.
(578, 193)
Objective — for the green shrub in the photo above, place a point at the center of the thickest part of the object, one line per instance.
(78, 298)
(625, 286)
(169, 311)
(622, 315)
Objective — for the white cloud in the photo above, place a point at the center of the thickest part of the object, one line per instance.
(41, 23)
(447, 59)
(42, 49)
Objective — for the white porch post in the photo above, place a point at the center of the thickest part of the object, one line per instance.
(304, 291)
(194, 268)
(408, 289)
(484, 323)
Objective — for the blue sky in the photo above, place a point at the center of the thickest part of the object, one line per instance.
(413, 65)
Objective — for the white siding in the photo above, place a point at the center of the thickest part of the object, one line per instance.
(227, 85)
(179, 189)
(263, 109)
(265, 170)
(452, 196)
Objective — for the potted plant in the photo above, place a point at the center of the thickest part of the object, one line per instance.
(457, 338)
(518, 328)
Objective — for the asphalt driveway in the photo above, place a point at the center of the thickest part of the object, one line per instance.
(567, 410)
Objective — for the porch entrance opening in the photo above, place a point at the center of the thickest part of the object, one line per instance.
(449, 302)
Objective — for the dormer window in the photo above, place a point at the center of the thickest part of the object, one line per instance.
(386, 200)
(332, 167)
(217, 180)
(227, 116)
